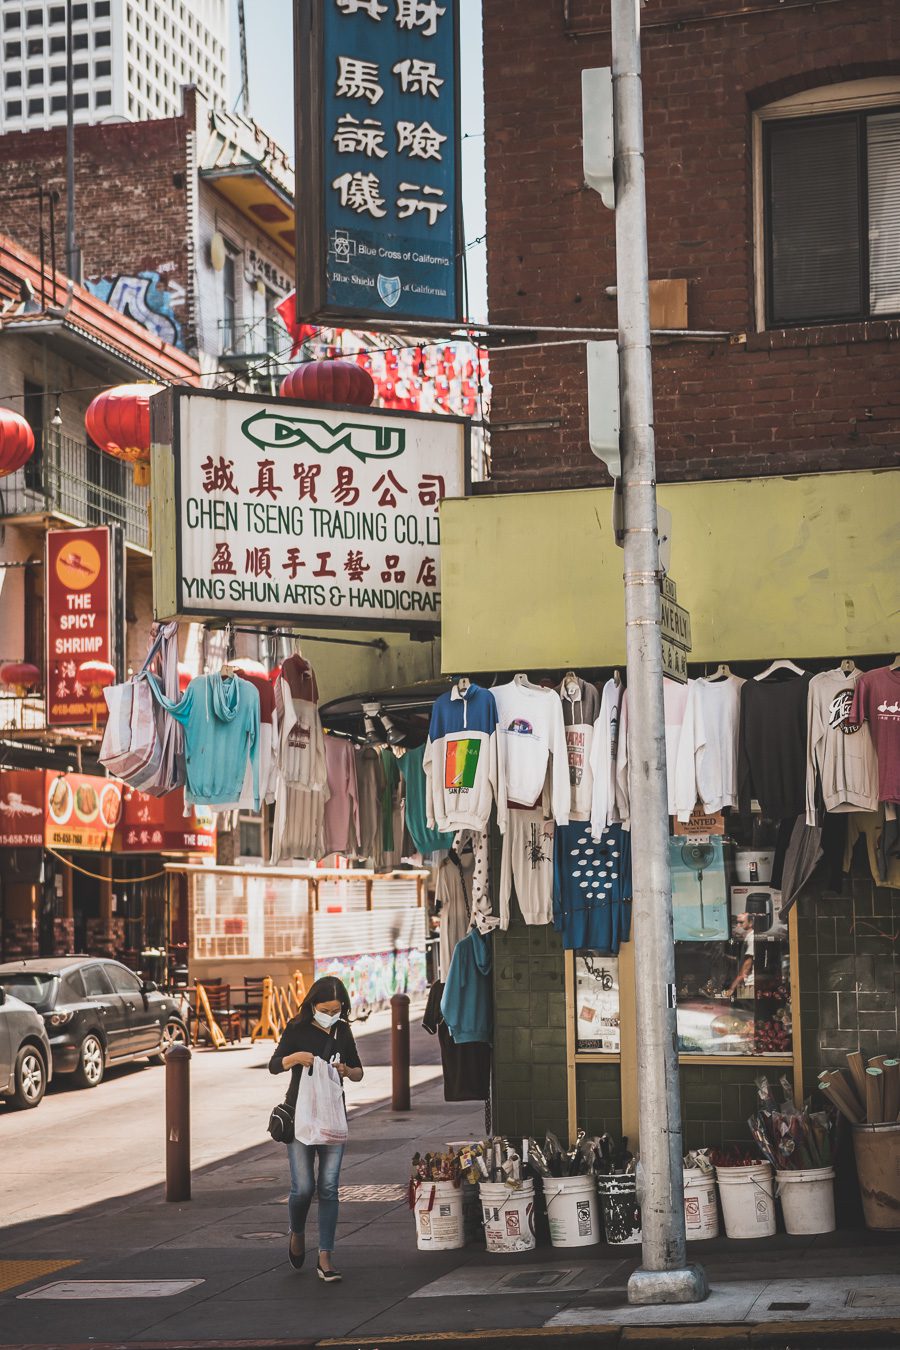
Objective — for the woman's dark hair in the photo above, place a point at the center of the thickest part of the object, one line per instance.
(328, 989)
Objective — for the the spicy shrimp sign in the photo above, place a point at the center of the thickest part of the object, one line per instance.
(283, 511)
(77, 605)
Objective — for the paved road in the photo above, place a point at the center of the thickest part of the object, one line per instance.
(83, 1146)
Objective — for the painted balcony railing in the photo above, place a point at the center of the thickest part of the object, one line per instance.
(72, 479)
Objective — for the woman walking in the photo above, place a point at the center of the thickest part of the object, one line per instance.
(319, 1029)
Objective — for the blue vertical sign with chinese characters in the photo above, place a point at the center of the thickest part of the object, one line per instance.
(389, 162)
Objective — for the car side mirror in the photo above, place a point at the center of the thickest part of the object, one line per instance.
(149, 987)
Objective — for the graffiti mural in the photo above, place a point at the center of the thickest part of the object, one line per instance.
(372, 979)
(146, 298)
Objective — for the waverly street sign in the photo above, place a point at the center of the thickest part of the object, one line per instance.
(285, 513)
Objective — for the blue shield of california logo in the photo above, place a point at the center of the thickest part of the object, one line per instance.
(389, 289)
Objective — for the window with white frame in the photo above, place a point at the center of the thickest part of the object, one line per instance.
(830, 217)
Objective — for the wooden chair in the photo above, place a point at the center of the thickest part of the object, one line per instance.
(228, 1018)
(252, 1005)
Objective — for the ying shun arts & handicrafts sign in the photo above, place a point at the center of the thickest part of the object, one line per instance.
(378, 159)
(280, 511)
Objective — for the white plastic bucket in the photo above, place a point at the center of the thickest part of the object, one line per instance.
(572, 1211)
(439, 1216)
(701, 1214)
(748, 1200)
(807, 1200)
(621, 1211)
(508, 1216)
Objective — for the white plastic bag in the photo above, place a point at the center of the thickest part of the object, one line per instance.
(320, 1117)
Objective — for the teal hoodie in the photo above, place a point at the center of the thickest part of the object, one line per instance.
(221, 729)
(467, 1004)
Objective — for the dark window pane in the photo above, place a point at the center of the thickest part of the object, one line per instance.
(80, 71)
(123, 981)
(95, 980)
(102, 68)
(101, 39)
(814, 236)
(35, 106)
(34, 18)
(71, 988)
(79, 41)
(58, 103)
(103, 99)
(35, 77)
(35, 46)
(14, 79)
(79, 12)
(14, 108)
(101, 9)
(12, 49)
(884, 213)
(57, 74)
(81, 100)
(57, 13)
(12, 21)
(57, 44)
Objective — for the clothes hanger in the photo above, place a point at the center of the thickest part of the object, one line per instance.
(721, 672)
(895, 664)
(617, 679)
(523, 682)
(570, 684)
(462, 685)
(784, 664)
(848, 665)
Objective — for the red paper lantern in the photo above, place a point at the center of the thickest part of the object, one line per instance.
(16, 441)
(20, 675)
(330, 382)
(98, 674)
(118, 420)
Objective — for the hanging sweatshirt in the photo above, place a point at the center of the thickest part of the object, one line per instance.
(452, 893)
(221, 733)
(413, 774)
(581, 708)
(301, 742)
(876, 700)
(342, 807)
(706, 768)
(298, 829)
(370, 785)
(675, 701)
(592, 888)
(268, 732)
(772, 755)
(530, 730)
(461, 773)
(466, 1004)
(838, 753)
(604, 751)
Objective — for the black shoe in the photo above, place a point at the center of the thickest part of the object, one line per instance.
(329, 1276)
(295, 1260)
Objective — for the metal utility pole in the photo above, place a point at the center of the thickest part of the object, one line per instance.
(73, 264)
(664, 1276)
(244, 96)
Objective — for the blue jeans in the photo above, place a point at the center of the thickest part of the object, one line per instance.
(303, 1186)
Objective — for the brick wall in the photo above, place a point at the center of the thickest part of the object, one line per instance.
(131, 212)
(796, 401)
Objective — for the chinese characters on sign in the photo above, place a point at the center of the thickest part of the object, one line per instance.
(78, 621)
(288, 512)
(159, 824)
(389, 164)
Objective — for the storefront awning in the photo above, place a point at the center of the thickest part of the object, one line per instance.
(767, 567)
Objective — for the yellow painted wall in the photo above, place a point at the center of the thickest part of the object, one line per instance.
(770, 567)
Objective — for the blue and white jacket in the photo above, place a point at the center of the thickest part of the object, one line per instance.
(461, 776)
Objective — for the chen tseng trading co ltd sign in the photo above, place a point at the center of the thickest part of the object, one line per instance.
(284, 512)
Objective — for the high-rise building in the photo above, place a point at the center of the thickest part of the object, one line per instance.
(131, 58)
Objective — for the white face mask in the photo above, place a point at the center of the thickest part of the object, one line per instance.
(324, 1021)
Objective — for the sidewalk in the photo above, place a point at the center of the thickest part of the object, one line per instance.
(227, 1249)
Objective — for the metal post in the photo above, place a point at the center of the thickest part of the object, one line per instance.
(72, 267)
(400, 1052)
(178, 1123)
(664, 1276)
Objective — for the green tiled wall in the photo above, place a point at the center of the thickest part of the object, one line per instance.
(849, 985)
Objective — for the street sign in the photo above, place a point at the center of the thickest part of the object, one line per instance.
(669, 589)
(675, 623)
(378, 162)
(674, 662)
(77, 625)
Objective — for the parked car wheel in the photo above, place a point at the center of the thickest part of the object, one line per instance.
(91, 1062)
(31, 1079)
(173, 1033)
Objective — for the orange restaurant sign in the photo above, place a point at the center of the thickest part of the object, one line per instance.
(40, 807)
(78, 621)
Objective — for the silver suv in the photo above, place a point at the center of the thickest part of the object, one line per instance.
(25, 1063)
